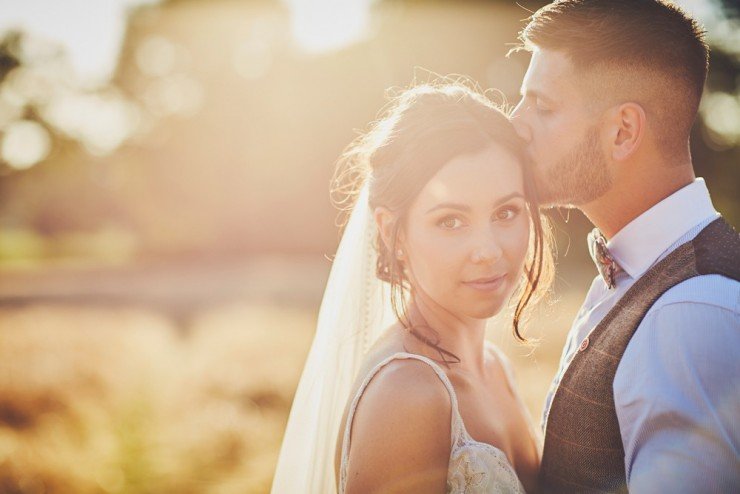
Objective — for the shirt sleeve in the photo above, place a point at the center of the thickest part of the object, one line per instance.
(677, 395)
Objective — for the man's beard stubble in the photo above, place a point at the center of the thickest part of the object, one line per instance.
(579, 177)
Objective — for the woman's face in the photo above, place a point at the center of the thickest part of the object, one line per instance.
(467, 233)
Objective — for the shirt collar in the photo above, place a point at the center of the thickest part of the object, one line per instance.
(638, 245)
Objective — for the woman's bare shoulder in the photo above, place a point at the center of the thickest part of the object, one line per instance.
(403, 385)
(408, 377)
(401, 428)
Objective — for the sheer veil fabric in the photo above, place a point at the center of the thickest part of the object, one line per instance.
(354, 311)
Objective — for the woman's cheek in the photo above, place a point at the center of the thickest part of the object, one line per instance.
(442, 259)
(444, 263)
(428, 259)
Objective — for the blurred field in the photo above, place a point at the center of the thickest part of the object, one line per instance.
(98, 399)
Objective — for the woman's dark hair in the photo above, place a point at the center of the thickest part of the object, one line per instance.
(419, 131)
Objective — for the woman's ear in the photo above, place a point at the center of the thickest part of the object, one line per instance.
(385, 220)
(629, 127)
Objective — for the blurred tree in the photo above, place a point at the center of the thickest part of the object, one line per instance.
(715, 140)
(8, 50)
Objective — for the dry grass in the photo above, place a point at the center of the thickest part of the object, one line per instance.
(97, 400)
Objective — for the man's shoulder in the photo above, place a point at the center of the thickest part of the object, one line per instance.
(698, 319)
(704, 292)
(688, 339)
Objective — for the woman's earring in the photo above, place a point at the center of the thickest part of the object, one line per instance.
(399, 254)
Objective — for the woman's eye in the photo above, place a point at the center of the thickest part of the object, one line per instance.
(507, 213)
(450, 223)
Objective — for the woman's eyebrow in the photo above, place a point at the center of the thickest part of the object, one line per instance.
(449, 205)
(466, 209)
(508, 197)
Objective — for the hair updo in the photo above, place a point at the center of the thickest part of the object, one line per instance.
(420, 130)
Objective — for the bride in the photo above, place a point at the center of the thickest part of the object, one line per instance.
(401, 392)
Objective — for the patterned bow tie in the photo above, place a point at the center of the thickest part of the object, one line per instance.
(605, 263)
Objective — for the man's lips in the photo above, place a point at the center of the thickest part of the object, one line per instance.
(486, 284)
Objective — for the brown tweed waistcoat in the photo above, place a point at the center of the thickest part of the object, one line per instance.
(583, 449)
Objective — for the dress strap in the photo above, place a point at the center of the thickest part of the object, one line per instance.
(456, 426)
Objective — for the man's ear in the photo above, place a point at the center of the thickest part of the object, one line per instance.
(385, 220)
(629, 125)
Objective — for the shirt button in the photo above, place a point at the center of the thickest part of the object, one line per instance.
(584, 344)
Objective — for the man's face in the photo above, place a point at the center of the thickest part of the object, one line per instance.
(562, 132)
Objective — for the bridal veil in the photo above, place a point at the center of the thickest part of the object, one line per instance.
(354, 310)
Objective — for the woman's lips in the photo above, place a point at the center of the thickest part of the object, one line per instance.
(486, 284)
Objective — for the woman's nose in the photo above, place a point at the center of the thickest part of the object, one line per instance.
(486, 250)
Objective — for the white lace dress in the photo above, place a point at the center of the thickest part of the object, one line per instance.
(474, 467)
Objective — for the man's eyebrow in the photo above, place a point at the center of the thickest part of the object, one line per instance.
(533, 93)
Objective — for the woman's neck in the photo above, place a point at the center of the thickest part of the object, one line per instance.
(464, 338)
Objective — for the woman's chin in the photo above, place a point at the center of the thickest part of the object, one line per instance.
(486, 311)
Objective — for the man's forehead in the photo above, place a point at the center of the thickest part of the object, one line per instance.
(549, 71)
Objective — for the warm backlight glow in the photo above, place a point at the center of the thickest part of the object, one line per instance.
(24, 144)
(327, 25)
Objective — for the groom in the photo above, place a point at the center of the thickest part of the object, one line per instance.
(647, 397)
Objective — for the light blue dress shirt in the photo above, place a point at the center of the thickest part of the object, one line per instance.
(677, 387)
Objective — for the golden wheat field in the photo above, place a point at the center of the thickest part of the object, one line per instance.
(97, 399)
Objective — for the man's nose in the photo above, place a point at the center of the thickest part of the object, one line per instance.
(519, 120)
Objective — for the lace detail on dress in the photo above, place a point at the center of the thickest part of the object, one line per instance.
(474, 468)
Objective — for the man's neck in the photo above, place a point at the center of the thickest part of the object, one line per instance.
(633, 195)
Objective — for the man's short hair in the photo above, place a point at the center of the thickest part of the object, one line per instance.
(638, 41)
